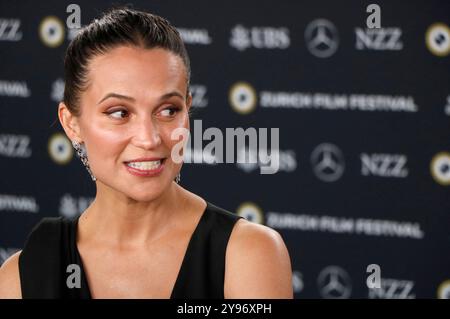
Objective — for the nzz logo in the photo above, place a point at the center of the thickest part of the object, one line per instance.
(384, 165)
(393, 289)
(199, 98)
(374, 37)
(15, 145)
(9, 30)
(378, 39)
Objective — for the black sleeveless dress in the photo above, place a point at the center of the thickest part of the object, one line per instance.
(51, 247)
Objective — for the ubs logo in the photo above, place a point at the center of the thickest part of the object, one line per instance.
(243, 38)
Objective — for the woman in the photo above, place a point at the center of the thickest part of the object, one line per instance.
(143, 236)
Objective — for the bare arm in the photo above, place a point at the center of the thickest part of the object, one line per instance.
(10, 279)
(258, 265)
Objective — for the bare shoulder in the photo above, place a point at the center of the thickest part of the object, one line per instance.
(257, 264)
(10, 278)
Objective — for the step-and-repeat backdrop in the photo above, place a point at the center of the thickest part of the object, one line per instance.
(361, 97)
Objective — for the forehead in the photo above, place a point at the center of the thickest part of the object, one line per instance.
(134, 70)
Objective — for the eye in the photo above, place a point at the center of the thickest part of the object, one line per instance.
(170, 111)
(113, 114)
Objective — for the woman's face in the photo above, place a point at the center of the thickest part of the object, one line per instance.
(135, 99)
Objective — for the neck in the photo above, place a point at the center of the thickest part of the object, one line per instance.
(115, 219)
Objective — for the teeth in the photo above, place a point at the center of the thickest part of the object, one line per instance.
(145, 166)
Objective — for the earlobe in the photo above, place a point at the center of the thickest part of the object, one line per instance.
(69, 122)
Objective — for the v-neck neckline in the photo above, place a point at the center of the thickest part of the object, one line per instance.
(80, 261)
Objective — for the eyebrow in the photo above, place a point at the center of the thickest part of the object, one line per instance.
(129, 98)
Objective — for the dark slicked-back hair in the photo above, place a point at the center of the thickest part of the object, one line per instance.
(119, 26)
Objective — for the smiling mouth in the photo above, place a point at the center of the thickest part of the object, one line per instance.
(145, 166)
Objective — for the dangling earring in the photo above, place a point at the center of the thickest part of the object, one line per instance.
(178, 178)
(81, 152)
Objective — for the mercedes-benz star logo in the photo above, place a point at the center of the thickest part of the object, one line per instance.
(334, 283)
(327, 162)
(321, 38)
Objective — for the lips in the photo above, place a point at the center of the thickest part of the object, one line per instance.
(146, 159)
(145, 166)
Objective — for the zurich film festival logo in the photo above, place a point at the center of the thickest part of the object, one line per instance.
(440, 168)
(437, 39)
(60, 148)
(334, 282)
(14, 89)
(251, 212)
(444, 290)
(52, 31)
(242, 98)
(322, 38)
(195, 36)
(327, 162)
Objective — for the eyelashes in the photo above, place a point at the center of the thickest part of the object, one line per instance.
(168, 112)
(110, 114)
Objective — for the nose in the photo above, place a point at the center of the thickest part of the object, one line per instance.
(146, 134)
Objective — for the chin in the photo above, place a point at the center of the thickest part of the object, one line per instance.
(144, 194)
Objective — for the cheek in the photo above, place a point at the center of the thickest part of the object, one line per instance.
(105, 141)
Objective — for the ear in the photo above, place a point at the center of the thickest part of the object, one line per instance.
(188, 106)
(69, 123)
(189, 101)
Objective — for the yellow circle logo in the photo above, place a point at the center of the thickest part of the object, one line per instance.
(251, 212)
(440, 168)
(51, 31)
(242, 98)
(444, 290)
(437, 39)
(60, 148)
